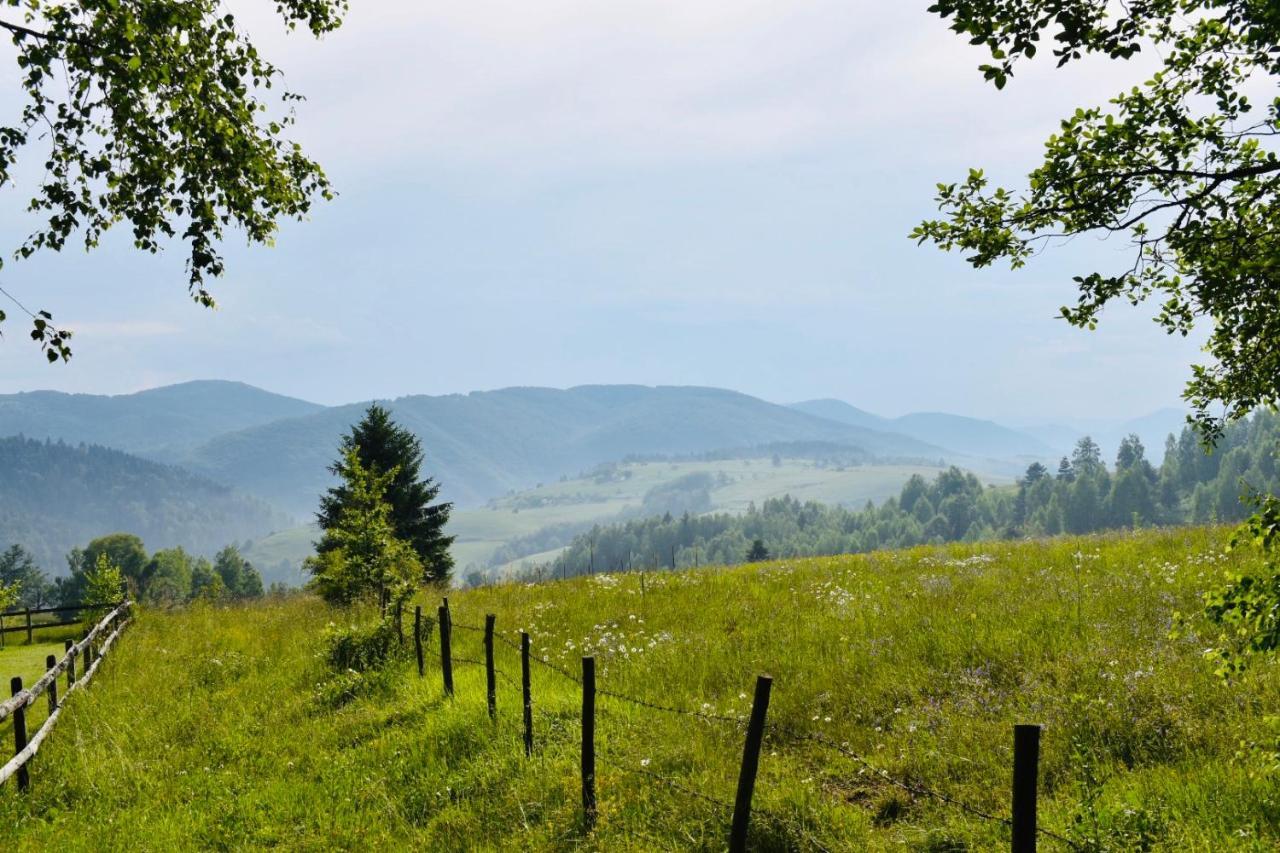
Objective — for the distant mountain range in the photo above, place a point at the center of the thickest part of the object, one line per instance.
(488, 443)
(150, 422)
(991, 440)
(969, 436)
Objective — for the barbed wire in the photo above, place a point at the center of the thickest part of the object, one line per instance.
(786, 731)
(724, 805)
(737, 722)
(548, 664)
(497, 670)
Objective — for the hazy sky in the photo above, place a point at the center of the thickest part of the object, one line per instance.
(567, 192)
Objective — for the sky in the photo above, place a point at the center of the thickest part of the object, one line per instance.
(711, 193)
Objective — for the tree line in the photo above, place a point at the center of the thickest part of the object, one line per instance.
(167, 577)
(1082, 495)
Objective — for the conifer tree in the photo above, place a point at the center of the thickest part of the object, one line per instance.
(382, 446)
(363, 557)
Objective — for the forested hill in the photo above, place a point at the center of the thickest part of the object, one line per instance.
(1082, 495)
(484, 444)
(147, 422)
(55, 496)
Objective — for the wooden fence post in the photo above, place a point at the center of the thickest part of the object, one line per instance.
(49, 663)
(1026, 769)
(71, 662)
(28, 626)
(527, 693)
(417, 637)
(589, 742)
(446, 653)
(750, 765)
(400, 621)
(20, 733)
(491, 681)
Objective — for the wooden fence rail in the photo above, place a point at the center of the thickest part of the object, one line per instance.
(26, 623)
(94, 648)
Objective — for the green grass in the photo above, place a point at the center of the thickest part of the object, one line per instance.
(204, 730)
(28, 661)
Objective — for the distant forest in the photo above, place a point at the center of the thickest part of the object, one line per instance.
(55, 497)
(1082, 495)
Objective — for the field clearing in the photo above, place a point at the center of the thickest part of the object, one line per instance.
(28, 661)
(481, 531)
(205, 730)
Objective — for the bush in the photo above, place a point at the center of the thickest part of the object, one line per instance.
(360, 648)
(348, 685)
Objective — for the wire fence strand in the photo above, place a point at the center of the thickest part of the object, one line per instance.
(787, 732)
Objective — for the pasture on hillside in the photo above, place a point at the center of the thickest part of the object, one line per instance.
(583, 500)
(214, 727)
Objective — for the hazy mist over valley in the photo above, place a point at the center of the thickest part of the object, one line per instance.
(518, 463)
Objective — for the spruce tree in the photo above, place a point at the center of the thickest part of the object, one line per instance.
(381, 445)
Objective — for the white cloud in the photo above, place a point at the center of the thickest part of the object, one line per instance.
(570, 84)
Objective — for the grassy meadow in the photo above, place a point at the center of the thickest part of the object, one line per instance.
(211, 728)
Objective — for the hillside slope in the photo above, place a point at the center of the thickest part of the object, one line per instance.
(206, 728)
(147, 422)
(54, 497)
(485, 444)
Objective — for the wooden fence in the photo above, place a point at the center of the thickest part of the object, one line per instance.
(1022, 822)
(22, 620)
(93, 648)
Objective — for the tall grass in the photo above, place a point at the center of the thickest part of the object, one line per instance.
(207, 728)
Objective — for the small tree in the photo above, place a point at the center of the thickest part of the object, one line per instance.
(758, 552)
(361, 555)
(207, 585)
(239, 576)
(104, 583)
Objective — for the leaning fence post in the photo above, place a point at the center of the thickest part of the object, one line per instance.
(417, 636)
(750, 764)
(527, 693)
(1026, 768)
(20, 733)
(71, 662)
(589, 742)
(446, 654)
(491, 681)
(49, 663)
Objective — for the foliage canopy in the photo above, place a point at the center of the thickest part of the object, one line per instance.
(151, 113)
(1182, 164)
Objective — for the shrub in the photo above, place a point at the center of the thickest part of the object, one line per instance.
(360, 648)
